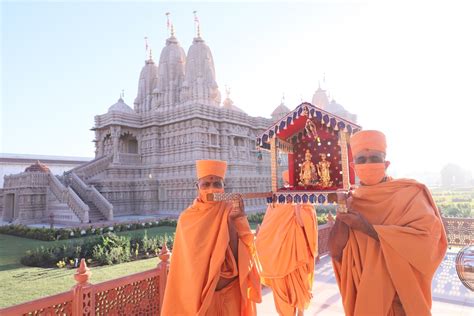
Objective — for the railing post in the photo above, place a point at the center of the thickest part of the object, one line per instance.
(83, 300)
(163, 267)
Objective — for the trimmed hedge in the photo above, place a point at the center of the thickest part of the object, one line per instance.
(48, 234)
(101, 250)
(257, 218)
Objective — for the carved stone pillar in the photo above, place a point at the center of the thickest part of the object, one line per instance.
(115, 132)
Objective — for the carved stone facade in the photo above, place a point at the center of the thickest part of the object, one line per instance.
(177, 119)
(145, 157)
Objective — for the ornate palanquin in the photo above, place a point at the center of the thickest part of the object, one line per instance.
(314, 146)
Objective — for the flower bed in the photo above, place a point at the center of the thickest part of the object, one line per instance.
(101, 250)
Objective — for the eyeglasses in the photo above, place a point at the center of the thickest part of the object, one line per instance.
(370, 159)
(207, 185)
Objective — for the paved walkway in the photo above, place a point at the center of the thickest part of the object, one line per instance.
(450, 297)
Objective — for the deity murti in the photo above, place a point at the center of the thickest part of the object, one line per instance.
(308, 170)
(323, 172)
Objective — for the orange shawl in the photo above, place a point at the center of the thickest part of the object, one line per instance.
(282, 244)
(199, 252)
(286, 251)
(372, 275)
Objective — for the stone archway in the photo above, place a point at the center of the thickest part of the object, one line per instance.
(128, 143)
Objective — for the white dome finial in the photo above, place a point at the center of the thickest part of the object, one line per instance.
(197, 25)
(169, 24)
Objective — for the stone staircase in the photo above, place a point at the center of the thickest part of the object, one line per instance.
(99, 208)
(61, 213)
(94, 214)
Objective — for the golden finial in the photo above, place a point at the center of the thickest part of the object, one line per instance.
(227, 91)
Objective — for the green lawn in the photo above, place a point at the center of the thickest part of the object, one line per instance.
(25, 283)
(12, 248)
(20, 283)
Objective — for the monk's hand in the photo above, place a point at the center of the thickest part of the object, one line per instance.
(357, 221)
(238, 209)
(338, 238)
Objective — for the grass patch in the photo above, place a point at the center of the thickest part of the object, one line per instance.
(25, 284)
(21, 284)
(12, 248)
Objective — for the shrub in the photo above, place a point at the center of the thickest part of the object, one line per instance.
(322, 219)
(48, 234)
(168, 222)
(256, 218)
(325, 209)
(112, 249)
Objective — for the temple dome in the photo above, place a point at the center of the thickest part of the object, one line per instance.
(37, 167)
(120, 106)
(280, 111)
(337, 109)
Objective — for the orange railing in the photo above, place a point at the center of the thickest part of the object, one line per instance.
(459, 231)
(136, 294)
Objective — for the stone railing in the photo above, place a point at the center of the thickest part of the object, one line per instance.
(128, 159)
(58, 189)
(459, 231)
(26, 179)
(102, 203)
(68, 196)
(77, 205)
(92, 195)
(137, 294)
(92, 168)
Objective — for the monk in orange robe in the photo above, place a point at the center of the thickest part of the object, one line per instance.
(388, 245)
(287, 246)
(212, 269)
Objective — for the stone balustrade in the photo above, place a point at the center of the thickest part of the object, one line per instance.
(91, 194)
(26, 179)
(77, 205)
(102, 203)
(58, 189)
(92, 168)
(68, 196)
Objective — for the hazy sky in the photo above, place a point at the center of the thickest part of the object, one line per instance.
(404, 68)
